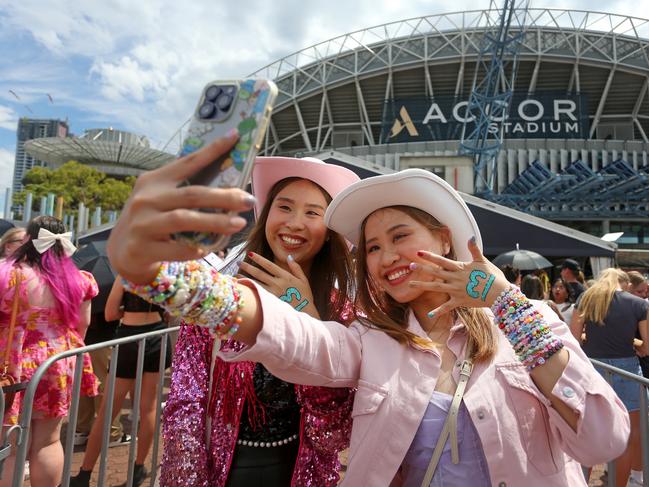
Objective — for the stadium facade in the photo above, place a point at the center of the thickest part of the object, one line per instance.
(576, 143)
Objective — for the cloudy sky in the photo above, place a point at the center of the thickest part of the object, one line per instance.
(139, 66)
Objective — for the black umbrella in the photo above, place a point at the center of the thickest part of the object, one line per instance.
(88, 252)
(92, 258)
(524, 260)
(5, 225)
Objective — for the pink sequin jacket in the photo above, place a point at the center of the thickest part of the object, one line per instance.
(189, 459)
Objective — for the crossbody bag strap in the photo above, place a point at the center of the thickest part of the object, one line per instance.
(450, 425)
(12, 322)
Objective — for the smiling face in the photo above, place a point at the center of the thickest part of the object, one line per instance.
(392, 239)
(295, 224)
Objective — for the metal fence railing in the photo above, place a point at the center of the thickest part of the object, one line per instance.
(609, 370)
(20, 432)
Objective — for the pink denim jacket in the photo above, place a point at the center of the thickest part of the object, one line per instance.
(525, 441)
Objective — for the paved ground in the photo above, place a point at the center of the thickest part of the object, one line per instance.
(118, 459)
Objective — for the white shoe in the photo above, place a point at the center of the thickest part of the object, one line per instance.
(80, 438)
(124, 440)
(26, 471)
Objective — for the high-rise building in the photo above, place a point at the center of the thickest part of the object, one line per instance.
(33, 128)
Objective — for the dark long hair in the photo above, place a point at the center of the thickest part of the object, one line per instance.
(56, 269)
(532, 287)
(331, 271)
(377, 309)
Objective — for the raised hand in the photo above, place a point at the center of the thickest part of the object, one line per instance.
(473, 284)
(158, 207)
(292, 287)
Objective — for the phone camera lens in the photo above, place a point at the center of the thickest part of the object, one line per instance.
(207, 109)
(229, 90)
(223, 102)
(213, 92)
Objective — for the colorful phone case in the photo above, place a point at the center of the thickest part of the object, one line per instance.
(250, 114)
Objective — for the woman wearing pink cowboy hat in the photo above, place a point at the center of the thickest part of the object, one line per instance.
(461, 379)
(261, 430)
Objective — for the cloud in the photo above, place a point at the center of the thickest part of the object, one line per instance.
(141, 65)
(127, 78)
(8, 118)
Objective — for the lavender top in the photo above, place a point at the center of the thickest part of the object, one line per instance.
(472, 469)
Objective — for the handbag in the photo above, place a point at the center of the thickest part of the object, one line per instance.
(7, 381)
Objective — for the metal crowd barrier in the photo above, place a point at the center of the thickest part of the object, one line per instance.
(21, 430)
(609, 370)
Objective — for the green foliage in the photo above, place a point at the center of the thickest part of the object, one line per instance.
(76, 183)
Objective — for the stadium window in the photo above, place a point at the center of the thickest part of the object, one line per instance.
(439, 171)
(615, 131)
(347, 139)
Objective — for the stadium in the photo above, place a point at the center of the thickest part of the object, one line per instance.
(575, 146)
(114, 152)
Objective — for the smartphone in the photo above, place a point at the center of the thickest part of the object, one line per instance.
(224, 105)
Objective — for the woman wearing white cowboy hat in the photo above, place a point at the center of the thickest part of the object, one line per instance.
(449, 393)
(260, 428)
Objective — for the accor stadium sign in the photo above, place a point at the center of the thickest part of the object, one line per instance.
(545, 115)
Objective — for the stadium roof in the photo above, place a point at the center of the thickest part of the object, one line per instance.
(113, 151)
(343, 84)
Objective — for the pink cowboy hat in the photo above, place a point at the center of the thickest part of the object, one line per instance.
(268, 171)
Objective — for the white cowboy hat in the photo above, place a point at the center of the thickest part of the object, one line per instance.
(413, 187)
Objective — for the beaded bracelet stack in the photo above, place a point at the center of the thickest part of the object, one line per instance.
(532, 339)
(198, 293)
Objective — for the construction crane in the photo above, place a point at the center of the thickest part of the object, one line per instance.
(493, 85)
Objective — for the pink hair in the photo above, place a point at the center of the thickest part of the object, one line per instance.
(63, 279)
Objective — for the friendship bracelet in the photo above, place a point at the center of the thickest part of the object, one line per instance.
(524, 327)
(198, 293)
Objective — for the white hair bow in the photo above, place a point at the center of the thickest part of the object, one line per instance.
(46, 239)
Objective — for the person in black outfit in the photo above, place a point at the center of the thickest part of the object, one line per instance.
(136, 317)
(573, 276)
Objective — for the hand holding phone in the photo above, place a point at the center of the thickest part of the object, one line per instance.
(244, 105)
(158, 207)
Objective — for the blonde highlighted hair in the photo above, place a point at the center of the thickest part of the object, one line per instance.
(376, 309)
(595, 301)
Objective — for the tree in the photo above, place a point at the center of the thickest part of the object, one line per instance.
(76, 183)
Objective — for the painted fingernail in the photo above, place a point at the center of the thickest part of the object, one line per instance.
(249, 200)
(420, 253)
(431, 314)
(290, 258)
(472, 240)
(251, 254)
(232, 133)
(413, 266)
(237, 222)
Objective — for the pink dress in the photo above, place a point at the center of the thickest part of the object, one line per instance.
(40, 333)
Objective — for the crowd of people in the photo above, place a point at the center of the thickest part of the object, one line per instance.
(357, 315)
(609, 318)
